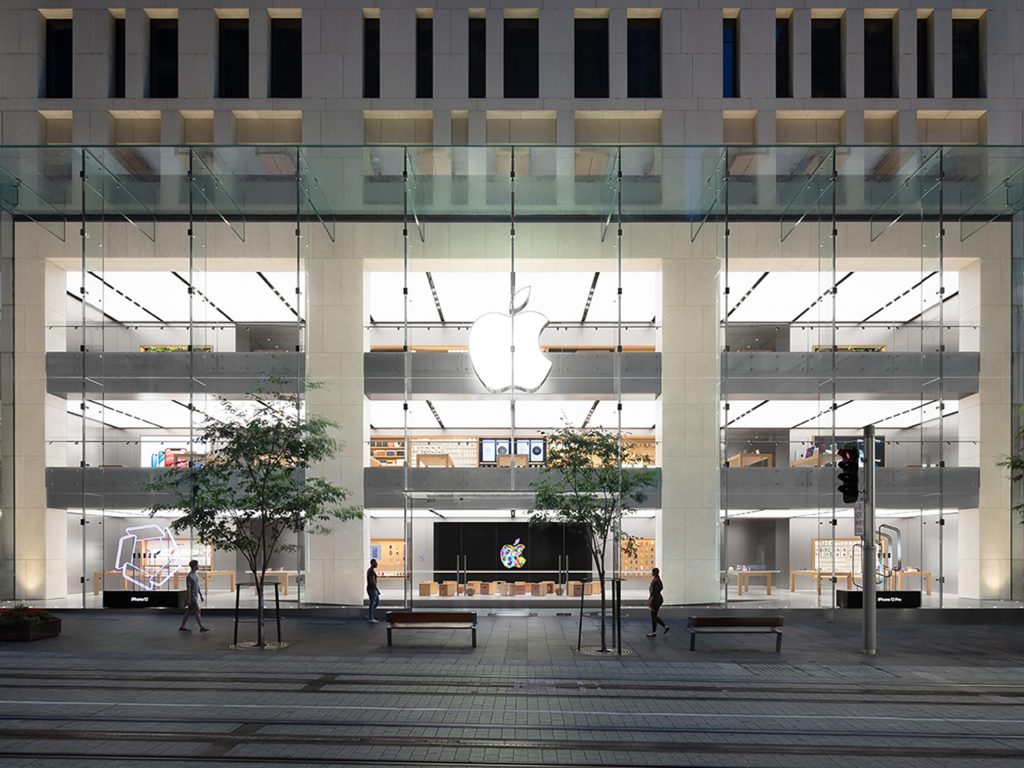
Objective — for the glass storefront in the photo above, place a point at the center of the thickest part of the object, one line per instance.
(736, 315)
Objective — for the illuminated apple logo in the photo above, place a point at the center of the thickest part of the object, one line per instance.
(505, 349)
(512, 555)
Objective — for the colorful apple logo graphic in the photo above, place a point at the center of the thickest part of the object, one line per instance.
(503, 350)
(512, 555)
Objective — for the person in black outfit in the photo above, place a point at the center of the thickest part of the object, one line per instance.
(371, 590)
(654, 603)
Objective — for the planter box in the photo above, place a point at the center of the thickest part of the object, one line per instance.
(30, 630)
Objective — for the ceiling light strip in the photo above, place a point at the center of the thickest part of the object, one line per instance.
(744, 297)
(277, 293)
(823, 295)
(907, 292)
(590, 297)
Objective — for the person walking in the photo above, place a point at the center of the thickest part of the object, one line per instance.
(654, 603)
(194, 596)
(371, 590)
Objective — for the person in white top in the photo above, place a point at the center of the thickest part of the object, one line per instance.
(194, 596)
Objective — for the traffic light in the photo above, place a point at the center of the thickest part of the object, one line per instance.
(849, 465)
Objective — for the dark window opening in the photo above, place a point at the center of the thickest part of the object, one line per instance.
(924, 59)
(522, 59)
(643, 58)
(233, 58)
(58, 58)
(966, 58)
(590, 58)
(286, 58)
(783, 78)
(371, 58)
(730, 58)
(878, 59)
(163, 58)
(424, 58)
(119, 54)
(477, 58)
(826, 58)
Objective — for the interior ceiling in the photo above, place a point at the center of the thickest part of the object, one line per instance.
(561, 296)
(784, 297)
(817, 414)
(170, 414)
(127, 297)
(535, 415)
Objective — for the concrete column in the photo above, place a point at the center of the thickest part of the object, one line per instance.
(801, 42)
(677, 57)
(495, 44)
(197, 53)
(555, 34)
(259, 54)
(906, 127)
(617, 53)
(984, 533)
(702, 36)
(942, 48)
(335, 359)
(451, 54)
(688, 532)
(40, 541)
(397, 53)
(136, 53)
(853, 59)
(906, 53)
(93, 42)
(172, 128)
(757, 53)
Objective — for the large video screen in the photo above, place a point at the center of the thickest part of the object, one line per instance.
(510, 551)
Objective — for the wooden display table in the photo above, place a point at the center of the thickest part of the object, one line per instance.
(489, 587)
(520, 588)
(925, 576)
(743, 580)
(751, 460)
(282, 577)
(449, 588)
(506, 589)
(542, 588)
(434, 460)
(820, 576)
(206, 576)
(428, 588)
(474, 587)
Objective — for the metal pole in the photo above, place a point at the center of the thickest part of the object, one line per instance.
(579, 637)
(870, 565)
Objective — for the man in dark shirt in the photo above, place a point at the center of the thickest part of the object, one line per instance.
(371, 589)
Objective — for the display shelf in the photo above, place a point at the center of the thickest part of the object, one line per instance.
(387, 451)
(642, 560)
(390, 556)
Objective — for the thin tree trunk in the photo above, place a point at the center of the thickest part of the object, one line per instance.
(261, 639)
(604, 641)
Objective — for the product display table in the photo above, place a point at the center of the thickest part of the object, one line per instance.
(925, 576)
(282, 577)
(743, 579)
(820, 576)
(206, 576)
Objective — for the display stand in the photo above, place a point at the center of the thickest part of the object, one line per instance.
(277, 609)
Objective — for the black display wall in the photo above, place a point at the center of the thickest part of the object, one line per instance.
(476, 549)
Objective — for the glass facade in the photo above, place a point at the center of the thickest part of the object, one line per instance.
(736, 314)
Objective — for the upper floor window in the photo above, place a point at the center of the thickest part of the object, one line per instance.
(879, 68)
(783, 68)
(233, 58)
(58, 58)
(117, 91)
(371, 58)
(424, 58)
(643, 58)
(827, 58)
(522, 58)
(591, 58)
(163, 58)
(731, 57)
(286, 58)
(966, 58)
(477, 57)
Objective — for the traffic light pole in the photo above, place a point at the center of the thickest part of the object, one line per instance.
(869, 569)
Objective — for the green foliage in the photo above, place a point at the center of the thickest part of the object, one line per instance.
(255, 484)
(23, 614)
(1015, 463)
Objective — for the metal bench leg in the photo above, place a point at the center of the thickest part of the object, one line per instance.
(389, 637)
(474, 637)
(778, 641)
(693, 641)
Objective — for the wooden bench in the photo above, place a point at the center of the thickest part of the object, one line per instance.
(734, 625)
(432, 620)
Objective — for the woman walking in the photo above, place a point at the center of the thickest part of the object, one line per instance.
(194, 596)
(654, 603)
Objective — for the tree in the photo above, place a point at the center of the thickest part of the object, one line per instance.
(1015, 463)
(583, 483)
(254, 485)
